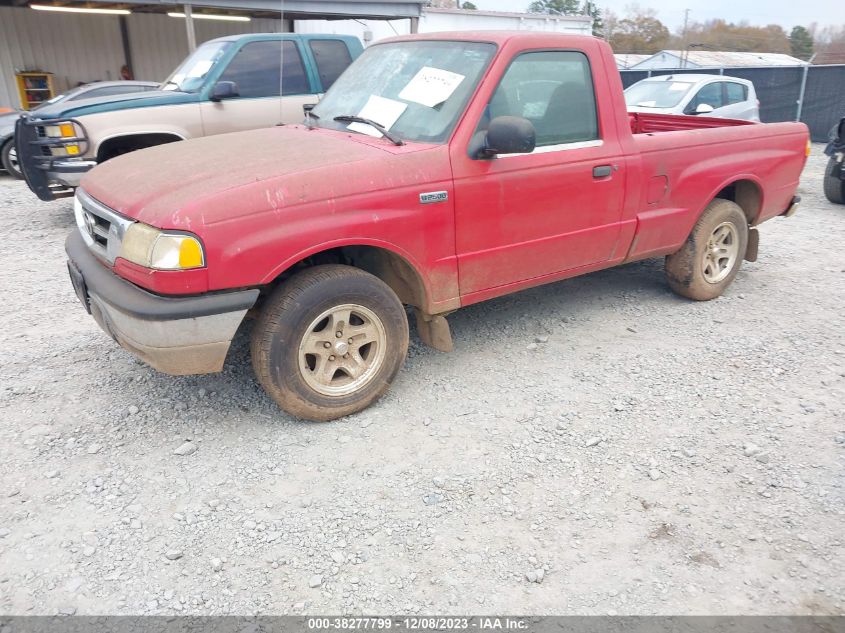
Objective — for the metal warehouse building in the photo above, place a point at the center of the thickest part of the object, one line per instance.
(76, 46)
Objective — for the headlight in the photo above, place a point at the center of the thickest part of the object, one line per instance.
(149, 247)
(62, 130)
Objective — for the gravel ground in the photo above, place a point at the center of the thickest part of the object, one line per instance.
(596, 446)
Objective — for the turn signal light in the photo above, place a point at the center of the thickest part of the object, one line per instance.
(71, 149)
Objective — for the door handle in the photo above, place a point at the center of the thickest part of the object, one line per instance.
(602, 171)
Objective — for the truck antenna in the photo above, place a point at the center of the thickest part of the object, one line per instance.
(281, 61)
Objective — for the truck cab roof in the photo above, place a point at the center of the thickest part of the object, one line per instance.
(282, 36)
(495, 37)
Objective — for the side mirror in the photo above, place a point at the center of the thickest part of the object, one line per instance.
(224, 90)
(509, 135)
(704, 108)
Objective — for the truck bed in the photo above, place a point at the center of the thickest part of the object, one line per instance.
(645, 123)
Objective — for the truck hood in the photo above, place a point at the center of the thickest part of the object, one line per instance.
(81, 107)
(187, 184)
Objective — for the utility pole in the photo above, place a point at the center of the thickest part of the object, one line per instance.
(685, 52)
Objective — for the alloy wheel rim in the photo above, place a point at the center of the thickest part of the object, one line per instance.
(342, 350)
(721, 253)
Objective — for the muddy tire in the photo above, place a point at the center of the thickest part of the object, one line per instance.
(834, 186)
(710, 259)
(9, 159)
(329, 341)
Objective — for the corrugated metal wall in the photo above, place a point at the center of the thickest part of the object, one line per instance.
(83, 48)
(73, 47)
(159, 42)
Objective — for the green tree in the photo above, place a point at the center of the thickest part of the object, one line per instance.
(590, 8)
(469, 6)
(639, 32)
(801, 43)
(554, 7)
(718, 35)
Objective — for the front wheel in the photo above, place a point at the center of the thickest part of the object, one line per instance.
(9, 159)
(834, 186)
(329, 341)
(710, 259)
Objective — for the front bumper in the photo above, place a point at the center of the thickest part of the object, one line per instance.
(792, 208)
(175, 335)
(49, 177)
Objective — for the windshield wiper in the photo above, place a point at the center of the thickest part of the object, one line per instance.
(349, 118)
(168, 82)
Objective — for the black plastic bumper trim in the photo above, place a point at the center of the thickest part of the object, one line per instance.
(141, 304)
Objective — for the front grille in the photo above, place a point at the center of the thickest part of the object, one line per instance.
(102, 228)
(98, 228)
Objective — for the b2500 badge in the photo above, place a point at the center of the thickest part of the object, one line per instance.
(433, 196)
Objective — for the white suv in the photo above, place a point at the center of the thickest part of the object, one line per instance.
(710, 95)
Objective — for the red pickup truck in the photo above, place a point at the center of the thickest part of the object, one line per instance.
(440, 170)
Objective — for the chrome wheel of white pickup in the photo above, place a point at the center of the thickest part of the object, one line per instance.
(721, 253)
(9, 159)
(342, 350)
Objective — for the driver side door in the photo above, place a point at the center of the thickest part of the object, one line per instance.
(523, 217)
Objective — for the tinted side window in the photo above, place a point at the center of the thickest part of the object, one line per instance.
(735, 93)
(259, 68)
(332, 57)
(711, 94)
(553, 90)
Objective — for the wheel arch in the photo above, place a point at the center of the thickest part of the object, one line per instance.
(746, 192)
(141, 139)
(394, 267)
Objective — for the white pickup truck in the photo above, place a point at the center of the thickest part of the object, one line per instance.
(230, 84)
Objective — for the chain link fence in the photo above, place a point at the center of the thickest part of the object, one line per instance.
(812, 94)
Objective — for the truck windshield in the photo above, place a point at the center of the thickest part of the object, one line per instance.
(190, 76)
(657, 94)
(416, 90)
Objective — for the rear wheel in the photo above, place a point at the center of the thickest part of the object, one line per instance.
(834, 186)
(9, 159)
(710, 259)
(329, 341)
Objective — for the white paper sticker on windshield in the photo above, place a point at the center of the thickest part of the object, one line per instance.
(431, 86)
(677, 87)
(382, 111)
(200, 68)
(174, 82)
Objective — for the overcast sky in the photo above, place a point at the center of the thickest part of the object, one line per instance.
(787, 13)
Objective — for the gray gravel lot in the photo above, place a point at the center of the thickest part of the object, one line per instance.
(596, 446)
